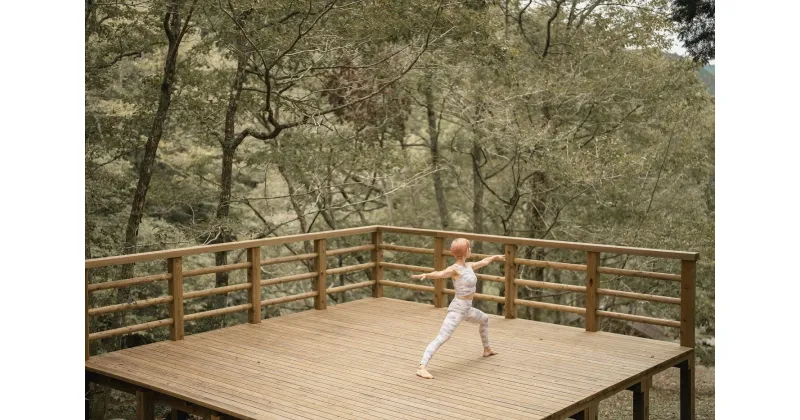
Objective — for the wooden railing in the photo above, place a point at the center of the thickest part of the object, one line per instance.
(176, 297)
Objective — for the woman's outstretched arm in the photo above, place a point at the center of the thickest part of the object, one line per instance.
(486, 261)
(444, 274)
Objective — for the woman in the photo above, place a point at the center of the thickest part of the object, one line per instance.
(460, 308)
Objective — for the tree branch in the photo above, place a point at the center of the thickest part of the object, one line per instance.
(586, 12)
(137, 54)
(549, 24)
(522, 27)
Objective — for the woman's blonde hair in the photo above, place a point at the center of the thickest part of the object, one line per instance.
(459, 247)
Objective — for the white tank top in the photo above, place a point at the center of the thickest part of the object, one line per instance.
(465, 285)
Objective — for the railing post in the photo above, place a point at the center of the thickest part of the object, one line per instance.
(320, 247)
(377, 258)
(86, 313)
(175, 267)
(592, 278)
(510, 308)
(254, 278)
(687, 303)
(439, 299)
(687, 389)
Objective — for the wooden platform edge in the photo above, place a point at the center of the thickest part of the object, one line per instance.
(573, 410)
(128, 385)
(188, 405)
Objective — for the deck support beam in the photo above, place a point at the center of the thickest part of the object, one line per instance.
(180, 408)
(588, 413)
(176, 414)
(145, 405)
(578, 416)
(87, 400)
(641, 398)
(687, 388)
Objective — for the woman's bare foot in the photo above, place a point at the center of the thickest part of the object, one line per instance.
(423, 373)
(487, 351)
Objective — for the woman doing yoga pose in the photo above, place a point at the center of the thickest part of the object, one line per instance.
(460, 309)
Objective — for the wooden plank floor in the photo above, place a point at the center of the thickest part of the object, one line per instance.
(357, 360)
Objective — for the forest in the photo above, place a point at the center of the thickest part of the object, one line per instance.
(217, 121)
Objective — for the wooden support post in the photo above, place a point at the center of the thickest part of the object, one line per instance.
(175, 267)
(687, 303)
(320, 247)
(510, 308)
(254, 278)
(687, 388)
(592, 279)
(589, 413)
(377, 258)
(688, 272)
(176, 414)
(86, 313)
(641, 398)
(439, 299)
(593, 411)
(145, 405)
(87, 400)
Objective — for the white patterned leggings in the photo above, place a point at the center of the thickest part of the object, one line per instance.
(459, 310)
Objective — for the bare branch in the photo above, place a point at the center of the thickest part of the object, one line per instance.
(558, 4)
(613, 128)
(522, 27)
(115, 60)
(586, 12)
(398, 77)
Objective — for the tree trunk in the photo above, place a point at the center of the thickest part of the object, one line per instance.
(389, 201)
(223, 234)
(433, 133)
(230, 142)
(174, 30)
(477, 208)
(534, 221)
(299, 211)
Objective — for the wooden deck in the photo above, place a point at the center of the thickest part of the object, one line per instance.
(357, 360)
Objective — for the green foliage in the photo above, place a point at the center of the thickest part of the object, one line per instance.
(580, 126)
(696, 27)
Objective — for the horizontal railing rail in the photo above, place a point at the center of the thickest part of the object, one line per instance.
(228, 246)
(318, 271)
(545, 243)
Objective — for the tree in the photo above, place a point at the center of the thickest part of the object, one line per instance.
(175, 28)
(695, 20)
